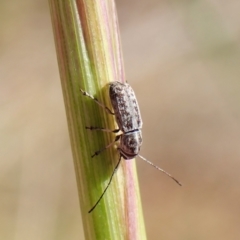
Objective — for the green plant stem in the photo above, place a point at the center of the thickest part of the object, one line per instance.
(89, 56)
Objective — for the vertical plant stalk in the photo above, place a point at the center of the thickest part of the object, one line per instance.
(89, 56)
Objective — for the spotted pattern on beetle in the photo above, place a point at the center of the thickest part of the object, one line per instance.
(125, 107)
(129, 121)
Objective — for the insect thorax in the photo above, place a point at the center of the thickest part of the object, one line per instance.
(130, 144)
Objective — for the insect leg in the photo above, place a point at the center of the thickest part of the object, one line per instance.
(103, 129)
(108, 146)
(110, 180)
(96, 100)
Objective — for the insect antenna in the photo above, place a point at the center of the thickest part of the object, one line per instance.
(160, 169)
(110, 180)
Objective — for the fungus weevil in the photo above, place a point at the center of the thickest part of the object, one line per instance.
(128, 117)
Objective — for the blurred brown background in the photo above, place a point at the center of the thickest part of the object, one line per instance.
(182, 58)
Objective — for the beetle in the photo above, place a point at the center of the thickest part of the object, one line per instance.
(127, 114)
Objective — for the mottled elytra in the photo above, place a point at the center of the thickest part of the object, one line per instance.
(128, 117)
